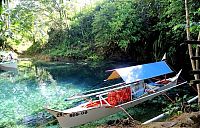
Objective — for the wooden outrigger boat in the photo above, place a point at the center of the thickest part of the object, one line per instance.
(7, 61)
(136, 88)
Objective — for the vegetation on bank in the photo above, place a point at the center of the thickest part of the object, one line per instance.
(100, 29)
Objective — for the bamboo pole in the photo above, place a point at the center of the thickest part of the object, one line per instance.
(194, 65)
(188, 33)
(197, 67)
(126, 113)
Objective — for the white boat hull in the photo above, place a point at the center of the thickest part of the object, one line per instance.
(66, 121)
(8, 65)
(80, 115)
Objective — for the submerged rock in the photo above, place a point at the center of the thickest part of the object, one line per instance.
(36, 120)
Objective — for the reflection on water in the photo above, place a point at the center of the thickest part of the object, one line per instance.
(26, 91)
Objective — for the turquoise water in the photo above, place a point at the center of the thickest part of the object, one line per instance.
(24, 92)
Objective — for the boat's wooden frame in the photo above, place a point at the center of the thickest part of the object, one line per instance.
(81, 114)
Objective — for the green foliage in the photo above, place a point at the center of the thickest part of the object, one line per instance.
(107, 29)
(34, 49)
(173, 108)
(181, 106)
(87, 38)
(116, 23)
(95, 58)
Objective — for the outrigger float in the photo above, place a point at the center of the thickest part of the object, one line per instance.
(8, 61)
(138, 86)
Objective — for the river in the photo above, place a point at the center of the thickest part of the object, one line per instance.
(24, 93)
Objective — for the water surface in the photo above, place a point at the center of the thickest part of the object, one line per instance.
(24, 92)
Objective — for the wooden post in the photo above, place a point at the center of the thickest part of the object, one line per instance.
(197, 67)
(188, 33)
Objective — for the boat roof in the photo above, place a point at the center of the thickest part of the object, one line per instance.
(140, 72)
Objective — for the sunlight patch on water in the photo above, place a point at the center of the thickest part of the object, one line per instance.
(21, 99)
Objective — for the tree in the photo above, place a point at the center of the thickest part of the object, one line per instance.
(4, 24)
(116, 25)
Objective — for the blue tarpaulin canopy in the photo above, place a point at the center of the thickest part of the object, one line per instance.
(140, 72)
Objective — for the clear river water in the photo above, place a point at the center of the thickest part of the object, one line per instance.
(24, 93)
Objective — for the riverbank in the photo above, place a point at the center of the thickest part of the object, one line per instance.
(187, 120)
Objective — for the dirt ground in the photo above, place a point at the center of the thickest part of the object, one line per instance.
(185, 120)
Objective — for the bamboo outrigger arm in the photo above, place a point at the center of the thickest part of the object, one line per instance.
(166, 113)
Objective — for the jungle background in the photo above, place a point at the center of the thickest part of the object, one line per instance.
(138, 30)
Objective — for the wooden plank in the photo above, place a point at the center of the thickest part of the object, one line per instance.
(192, 84)
(195, 72)
(195, 81)
(192, 42)
(195, 58)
